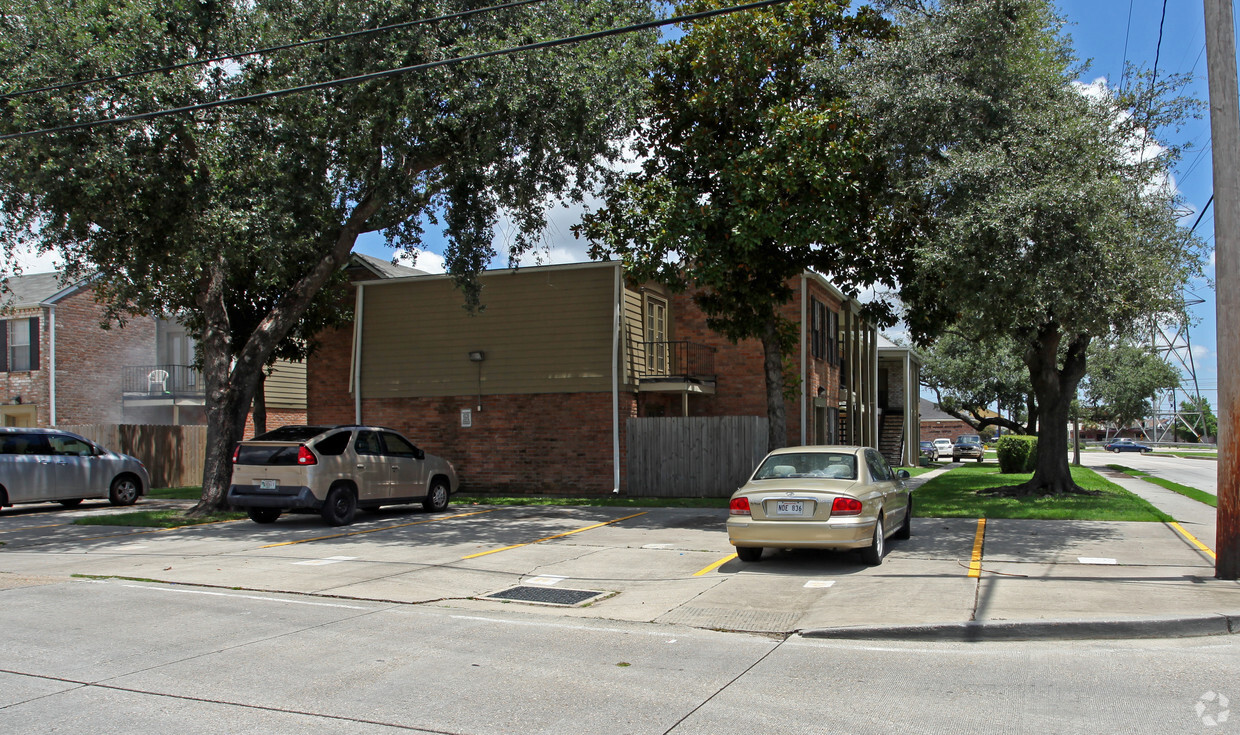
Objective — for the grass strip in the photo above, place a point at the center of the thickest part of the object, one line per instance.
(608, 501)
(175, 493)
(1201, 496)
(155, 519)
(955, 494)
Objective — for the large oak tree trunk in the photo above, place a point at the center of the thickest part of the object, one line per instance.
(1055, 388)
(773, 367)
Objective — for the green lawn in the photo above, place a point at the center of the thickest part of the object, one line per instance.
(1189, 492)
(175, 493)
(954, 494)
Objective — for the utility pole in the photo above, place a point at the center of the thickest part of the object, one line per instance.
(1225, 134)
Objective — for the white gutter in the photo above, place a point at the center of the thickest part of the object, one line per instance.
(804, 375)
(615, 385)
(355, 367)
(51, 368)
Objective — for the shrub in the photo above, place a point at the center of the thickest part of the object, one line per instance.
(1016, 453)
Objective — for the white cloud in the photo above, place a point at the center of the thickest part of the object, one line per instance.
(424, 261)
(1200, 352)
(30, 261)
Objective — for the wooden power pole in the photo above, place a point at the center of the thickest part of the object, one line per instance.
(1225, 133)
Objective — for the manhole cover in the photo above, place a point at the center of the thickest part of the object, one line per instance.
(545, 595)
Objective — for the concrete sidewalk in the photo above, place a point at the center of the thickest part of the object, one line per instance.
(674, 566)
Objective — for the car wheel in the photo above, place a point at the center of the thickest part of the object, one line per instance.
(124, 491)
(437, 497)
(873, 554)
(979, 460)
(263, 515)
(906, 528)
(1145, 451)
(340, 506)
(71, 502)
(749, 553)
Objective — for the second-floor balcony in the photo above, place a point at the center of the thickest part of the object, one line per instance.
(672, 363)
(170, 382)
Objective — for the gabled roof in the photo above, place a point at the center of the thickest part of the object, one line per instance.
(382, 268)
(35, 289)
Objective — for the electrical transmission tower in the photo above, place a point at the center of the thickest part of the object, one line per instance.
(1172, 418)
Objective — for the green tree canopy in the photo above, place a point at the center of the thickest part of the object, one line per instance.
(752, 172)
(1043, 198)
(972, 378)
(171, 209)
(1122, 380)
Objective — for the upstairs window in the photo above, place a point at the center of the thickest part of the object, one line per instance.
(818, 329)
(19, 351)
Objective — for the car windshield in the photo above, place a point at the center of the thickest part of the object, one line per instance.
(969, 439)
(829, 465)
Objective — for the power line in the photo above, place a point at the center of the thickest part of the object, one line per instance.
(270, 49)
(401, 70)
(1123, 73)
(1203, 213)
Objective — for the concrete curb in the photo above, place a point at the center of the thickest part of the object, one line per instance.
(1184, 627)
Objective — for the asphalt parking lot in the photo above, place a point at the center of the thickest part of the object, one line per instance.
(656, 565)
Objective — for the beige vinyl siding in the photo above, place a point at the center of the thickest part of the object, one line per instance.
(286, 386)
(544, 330)
(634, 335)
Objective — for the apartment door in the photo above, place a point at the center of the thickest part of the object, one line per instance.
(17, 416)
(656, 336)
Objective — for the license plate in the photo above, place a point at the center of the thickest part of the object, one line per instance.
(789, 508)
(268, 484)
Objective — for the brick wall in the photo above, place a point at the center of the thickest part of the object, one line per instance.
(931, 430)
(276, 419)
(90, 361)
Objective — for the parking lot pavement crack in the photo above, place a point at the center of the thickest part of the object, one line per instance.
(206, 700)
(724, 688)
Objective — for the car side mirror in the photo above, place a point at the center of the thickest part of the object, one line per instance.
(418, 453)
(903, 474)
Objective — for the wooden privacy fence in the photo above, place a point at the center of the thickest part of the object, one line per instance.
(694, 457)
(172, 454)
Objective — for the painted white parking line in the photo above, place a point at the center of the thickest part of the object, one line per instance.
(324, 562)
(245, 597)
(1095, 560)
(546, 580)
(657, 546)
(819, 583)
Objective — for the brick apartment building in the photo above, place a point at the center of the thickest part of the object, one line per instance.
(533, 394)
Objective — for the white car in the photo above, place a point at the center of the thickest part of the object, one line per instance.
(942, 448)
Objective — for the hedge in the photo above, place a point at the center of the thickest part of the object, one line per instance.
(1017, 453)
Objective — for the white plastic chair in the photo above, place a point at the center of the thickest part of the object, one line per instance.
(157, 378)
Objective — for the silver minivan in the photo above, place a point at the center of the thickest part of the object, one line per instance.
(48, 465)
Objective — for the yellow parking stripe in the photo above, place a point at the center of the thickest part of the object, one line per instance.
(373, 530)
(716, 565)
(558, 535)
(1193, 539)
(975, 566)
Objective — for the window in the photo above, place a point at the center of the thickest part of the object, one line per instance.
(818, 329)
(396, 446)
(20, 348)
(333, 445)
(833, 338)
(656, 336)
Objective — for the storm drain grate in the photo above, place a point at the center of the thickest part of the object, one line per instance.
(546, 595)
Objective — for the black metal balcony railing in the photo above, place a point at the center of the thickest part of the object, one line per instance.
(681, 359)
(169, 381)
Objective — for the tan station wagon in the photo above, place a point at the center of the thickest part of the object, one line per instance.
(821, 497)
(334, 470)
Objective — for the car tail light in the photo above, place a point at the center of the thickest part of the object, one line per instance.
(236, 453)
(739, 507)
(845, 507)
(305, 456)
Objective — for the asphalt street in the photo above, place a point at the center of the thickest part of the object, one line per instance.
(1197, 473)
(119, 656)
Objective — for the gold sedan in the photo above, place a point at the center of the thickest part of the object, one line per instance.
(821, 497)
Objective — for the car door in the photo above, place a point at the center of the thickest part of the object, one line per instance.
(78, 471)
(408, 469)
(374, 476)
(24, 469)
(895, 499)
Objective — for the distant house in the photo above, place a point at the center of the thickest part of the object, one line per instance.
(534, 394)
(60, 366)
(938, 424)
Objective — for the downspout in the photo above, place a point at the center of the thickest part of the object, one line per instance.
(51, 368)
(355, 368)
(615, 385)
(804, 375)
